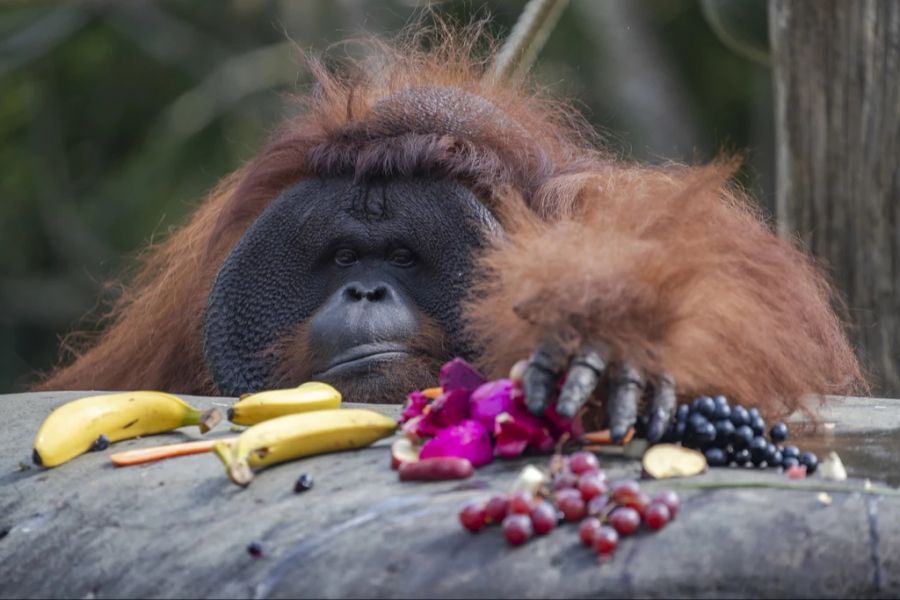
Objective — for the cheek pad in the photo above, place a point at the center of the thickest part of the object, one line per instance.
(260, 292)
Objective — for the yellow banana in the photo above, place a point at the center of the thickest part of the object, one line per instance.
(298, 435)
(256, 408)
(73, 428)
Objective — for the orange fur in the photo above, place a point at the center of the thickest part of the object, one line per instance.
(667, 265)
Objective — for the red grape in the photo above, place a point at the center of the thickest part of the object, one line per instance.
(517, 529)
(496, 509)
(657, 515)
(626, 520)
(543, 517)
(572, 506)
(670, 499)
(597, 504)
(521, 503)
(639, 502)
(605, 540)
(623, 490)
(565, 479)
(582, 462)
(587, 529)
(591, 486)
(473, 516)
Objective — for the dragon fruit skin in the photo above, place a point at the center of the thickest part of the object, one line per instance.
(460, 375)
(468, 439)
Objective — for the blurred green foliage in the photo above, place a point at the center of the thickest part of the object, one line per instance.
(116, 117)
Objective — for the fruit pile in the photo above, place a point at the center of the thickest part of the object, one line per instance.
(734, 435)
(579, 492)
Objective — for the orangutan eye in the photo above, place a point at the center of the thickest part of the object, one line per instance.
(345, 257)
(402, 258)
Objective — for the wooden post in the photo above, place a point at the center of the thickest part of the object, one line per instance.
(836, 67)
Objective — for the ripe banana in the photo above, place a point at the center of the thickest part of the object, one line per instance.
(72, 429)
(298, 435)
(256, 408)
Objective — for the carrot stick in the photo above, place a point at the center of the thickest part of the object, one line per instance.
(604, 437)
(433, 392)
(145, 455)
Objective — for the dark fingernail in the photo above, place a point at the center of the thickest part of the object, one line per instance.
(567, 409)
(656, 430)
(535, 400)
(617, 433)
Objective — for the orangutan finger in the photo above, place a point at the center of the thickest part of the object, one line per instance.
(662, 406)
(622, 407)
(584, 374)
(541, 377)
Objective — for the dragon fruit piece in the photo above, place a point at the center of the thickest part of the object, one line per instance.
(491, 399)
(419, 428)
(449, 408)
(468, 439)
(514, 431)
(460, 375)
(560, 425)
(415, 404)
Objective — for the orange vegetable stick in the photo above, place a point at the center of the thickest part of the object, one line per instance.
(145, 455)
(432, 392)
(603, 437)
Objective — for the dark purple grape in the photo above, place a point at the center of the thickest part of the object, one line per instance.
(303, 483)
(770, 453)
(724, 432)
(680, 430)
(706, 434)
(741, 457)
(776, 459)
(758, 425)
(100, 444)
(753, 412)
(723, 411)
(779, 432)
(739, 416)
(758, 448)
(742, 437)
(716, 457)
(255, 549)
(810, 461)
(789, 461)
(705, 406)
(682, 412)
(790, 452)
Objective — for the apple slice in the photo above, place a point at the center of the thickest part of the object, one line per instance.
(669, 460)
(403, 451)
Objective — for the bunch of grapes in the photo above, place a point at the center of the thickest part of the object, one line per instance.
(734, 435)
(579, 492)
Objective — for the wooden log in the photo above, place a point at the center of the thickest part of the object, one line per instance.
(837, 92)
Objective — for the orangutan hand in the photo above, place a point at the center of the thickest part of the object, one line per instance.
(583, 372)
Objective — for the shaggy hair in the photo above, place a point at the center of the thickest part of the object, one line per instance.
(669, 266)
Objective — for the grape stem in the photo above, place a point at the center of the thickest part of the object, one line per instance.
(818, 487)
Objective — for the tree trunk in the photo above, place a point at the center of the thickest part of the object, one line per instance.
(836, 67)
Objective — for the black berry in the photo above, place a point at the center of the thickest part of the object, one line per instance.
(810, 460)
(758, 446)
(739, 416)
(753, 412)
(743, 435)
(741, 457)
(716, 457)
(100, 444)
(776, 459)
(303, 483)
(758, 425)
(724, 432)
(706, 406)
(789, 461)
(790, 452)
(255, 549)
(682, 412)
(706, 434)
(723, 411)
(779, 432)
(770, 453)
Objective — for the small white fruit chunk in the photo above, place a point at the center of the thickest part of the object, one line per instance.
(670, 460)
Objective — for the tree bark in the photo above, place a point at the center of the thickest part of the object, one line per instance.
(836, 66)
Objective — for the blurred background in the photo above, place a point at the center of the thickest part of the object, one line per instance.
(116, 117)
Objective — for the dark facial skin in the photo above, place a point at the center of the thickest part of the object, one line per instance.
(362, 275)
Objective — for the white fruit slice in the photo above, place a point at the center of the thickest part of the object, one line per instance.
(403, 451)
(670, 460)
